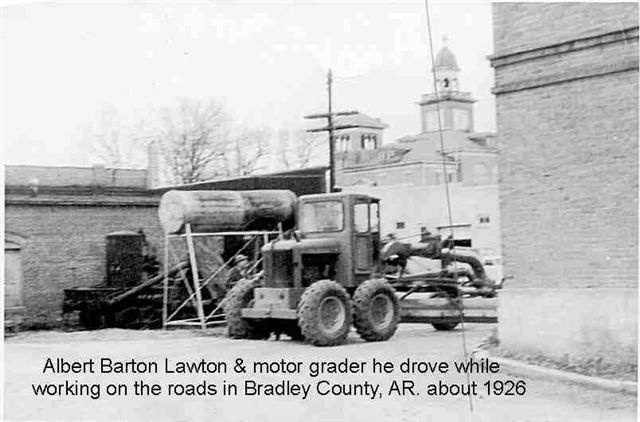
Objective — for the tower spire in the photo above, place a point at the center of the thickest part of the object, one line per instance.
(454, 106)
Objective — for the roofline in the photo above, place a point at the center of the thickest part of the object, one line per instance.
(75, 167)
(488, 150)
(383, 126)
(398, 164)
(251, 176)
(79, 190)
(90, 202)
(408, 139)
(444, 98)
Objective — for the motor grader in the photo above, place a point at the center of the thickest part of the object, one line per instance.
(329, 275)
(327, 271)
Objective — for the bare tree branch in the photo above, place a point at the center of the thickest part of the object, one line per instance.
(116, 141)
(191, 139)
(248, 148)
(299, 149)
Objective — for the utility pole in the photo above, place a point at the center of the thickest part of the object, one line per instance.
(331, 128)
(332, 147)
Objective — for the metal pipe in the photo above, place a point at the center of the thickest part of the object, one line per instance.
(148, 283)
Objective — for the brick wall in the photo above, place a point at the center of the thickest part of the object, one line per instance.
(60, 238)
(521, 26)
(569, 184)
(22, 175)
(568, 128)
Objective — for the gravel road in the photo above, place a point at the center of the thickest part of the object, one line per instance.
(26, 355)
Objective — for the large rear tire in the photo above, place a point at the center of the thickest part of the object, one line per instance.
(377, 310)
(239, 297)
(324, 313)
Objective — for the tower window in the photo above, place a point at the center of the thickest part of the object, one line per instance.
(446, 82)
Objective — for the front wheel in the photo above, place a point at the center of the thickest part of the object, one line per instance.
(239, 297)
(377, 310)
(324, 313)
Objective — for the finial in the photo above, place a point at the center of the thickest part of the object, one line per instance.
(445, 39)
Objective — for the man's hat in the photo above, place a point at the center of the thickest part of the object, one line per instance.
(238, 259)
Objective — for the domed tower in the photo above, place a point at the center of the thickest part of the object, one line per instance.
(456, 107)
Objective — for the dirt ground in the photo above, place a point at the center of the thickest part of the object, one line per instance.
(26, 354)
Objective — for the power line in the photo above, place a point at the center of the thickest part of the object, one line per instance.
(446, 184)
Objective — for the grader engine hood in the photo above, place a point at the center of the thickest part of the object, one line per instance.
(289, 263)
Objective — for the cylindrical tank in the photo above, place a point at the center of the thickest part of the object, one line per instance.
(124, 258)
(215, 211)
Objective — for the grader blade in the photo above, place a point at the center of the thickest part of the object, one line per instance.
(421, 307)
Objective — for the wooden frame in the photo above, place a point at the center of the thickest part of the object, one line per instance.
(195, 286)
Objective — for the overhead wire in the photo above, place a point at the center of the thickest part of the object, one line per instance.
(446, 184)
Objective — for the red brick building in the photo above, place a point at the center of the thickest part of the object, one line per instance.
(566, 86)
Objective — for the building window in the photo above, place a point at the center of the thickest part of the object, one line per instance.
(342, 143)
(368, 141)
(461, 234)
(441, 178)
(484, 219)
(399, 225)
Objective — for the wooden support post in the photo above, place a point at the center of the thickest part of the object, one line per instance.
(194, 273)
(165, 295)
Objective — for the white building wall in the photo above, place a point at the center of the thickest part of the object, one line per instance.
(426, 206)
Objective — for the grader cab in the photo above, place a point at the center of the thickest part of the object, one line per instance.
(310, 279)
